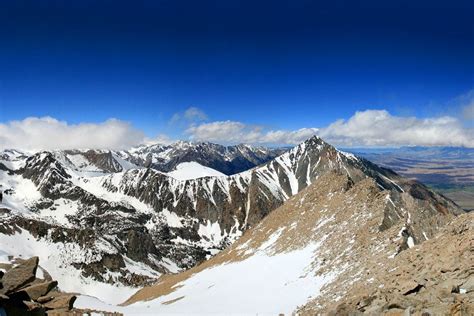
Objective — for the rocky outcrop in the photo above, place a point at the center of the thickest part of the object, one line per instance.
(19, 276)
(22, 293)
(35, 291)
(93, 160)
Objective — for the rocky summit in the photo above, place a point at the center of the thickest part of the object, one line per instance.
(105, 223)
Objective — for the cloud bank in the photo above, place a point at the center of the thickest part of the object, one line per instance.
(230, 132)
(380, 128)
(34, 133)
(366, 128)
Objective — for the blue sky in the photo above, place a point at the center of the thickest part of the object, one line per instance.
(279, 65)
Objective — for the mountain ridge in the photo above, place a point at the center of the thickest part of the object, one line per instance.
(143, 217)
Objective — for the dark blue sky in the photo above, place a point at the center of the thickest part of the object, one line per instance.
(283, 64)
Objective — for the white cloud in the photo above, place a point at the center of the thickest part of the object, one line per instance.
(365, 128)
(229, 132)
(35, 133)
(380, 128)
(289, 137)
(191, 114)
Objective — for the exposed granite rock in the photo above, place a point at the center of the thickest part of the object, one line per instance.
(37, 290)
(19, 276)
(26, 295)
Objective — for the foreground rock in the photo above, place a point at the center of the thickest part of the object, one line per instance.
(36, 291)
(22, 293)
(19, 276)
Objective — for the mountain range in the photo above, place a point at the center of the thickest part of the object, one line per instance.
(106, 222)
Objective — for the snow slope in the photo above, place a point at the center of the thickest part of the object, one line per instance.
(193, 170)
(253, 286)
(260, 282)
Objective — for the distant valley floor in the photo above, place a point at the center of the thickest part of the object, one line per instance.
(448, 170)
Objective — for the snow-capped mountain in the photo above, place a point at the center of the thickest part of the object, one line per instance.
(225, 159)
(214, 159)
(118, 223)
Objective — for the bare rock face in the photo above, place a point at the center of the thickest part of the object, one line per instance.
(104, 160)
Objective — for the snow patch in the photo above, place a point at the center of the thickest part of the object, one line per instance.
(193, 170)
(211, 231)
(172, 219)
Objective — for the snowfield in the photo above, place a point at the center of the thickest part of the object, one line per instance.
(253, 286)
(193, 170)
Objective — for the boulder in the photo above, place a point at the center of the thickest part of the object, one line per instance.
(19, 276)
(65, 301)
(41, 289)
